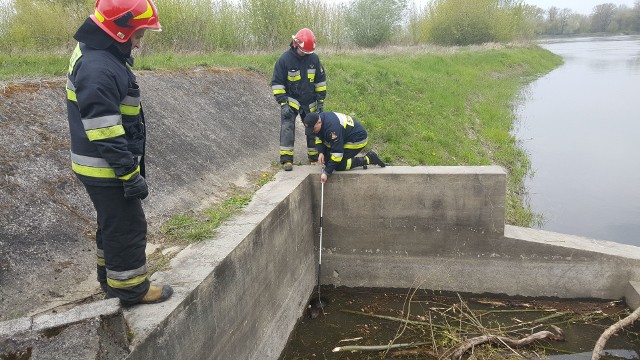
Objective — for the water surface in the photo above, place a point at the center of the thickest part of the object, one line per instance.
(581, 126)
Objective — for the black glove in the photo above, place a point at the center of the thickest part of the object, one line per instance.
(320, 107)
(135, 188)
(286, 111)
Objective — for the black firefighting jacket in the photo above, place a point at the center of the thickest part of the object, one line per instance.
(105, 117)
(338, 133)
(299, 80)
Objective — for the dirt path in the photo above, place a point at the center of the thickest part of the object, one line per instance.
(208, 129)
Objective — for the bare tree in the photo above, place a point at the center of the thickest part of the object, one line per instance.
(563, 20)
(552, 20)
(602, 17)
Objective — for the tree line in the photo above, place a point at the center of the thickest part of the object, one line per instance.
(264, 25)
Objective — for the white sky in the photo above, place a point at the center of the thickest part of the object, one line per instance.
(584, 7)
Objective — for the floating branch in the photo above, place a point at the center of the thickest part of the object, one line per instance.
(611, 331)
(457, 352)
(376, 347)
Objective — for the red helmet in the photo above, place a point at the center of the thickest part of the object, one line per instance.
(305, 40)
(121, 18)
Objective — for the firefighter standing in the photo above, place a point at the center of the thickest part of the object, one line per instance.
(108, 136)
(299, 86)
(339, 138)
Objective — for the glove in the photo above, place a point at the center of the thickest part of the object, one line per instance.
(286, 111)
(320, 107)
(135, 188)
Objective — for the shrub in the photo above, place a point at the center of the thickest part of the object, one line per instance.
(462, 22)
(373, 22)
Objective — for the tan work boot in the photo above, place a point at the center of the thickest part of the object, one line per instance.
(287, 166)
(157, 294)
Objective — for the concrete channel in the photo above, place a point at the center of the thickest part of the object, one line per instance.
(240, 294)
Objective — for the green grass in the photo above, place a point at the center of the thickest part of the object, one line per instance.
(450, 107)
(29, 66)
(194, 227)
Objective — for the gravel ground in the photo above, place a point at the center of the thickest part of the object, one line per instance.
(209, 130)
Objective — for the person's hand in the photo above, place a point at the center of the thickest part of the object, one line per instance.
(135, 188)
(321, 159)
(286, 111)
(324, 178)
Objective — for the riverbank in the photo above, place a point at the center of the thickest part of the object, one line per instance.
(425, 105)
(421, 105)
(443, 108)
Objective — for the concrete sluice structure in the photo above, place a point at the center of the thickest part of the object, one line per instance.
(240, 294)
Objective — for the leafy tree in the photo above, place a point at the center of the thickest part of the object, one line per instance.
(373, 22)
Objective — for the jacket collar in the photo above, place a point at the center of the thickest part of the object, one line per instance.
(93, 36)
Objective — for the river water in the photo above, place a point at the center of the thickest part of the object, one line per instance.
(580, 125)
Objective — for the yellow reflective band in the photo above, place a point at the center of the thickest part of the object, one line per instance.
(294, 105)
(145, 15)
(105, 133)
(318, 141)
(122, 284)
(71, 95)
(312, 152)
(348, 164)
(98, 16)
(354, 146)
(321, 88)
(103, 173)
(311, 77)
(286, 152)
(129, 175)
(100, 262)
(129, 110)
(279, 91)
(74, 57)
(336, 158)
(294, 78)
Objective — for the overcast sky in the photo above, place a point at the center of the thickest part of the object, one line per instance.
(584, 7)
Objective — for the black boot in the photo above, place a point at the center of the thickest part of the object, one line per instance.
(375, 159)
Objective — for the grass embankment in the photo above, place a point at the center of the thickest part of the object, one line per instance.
(420, 107)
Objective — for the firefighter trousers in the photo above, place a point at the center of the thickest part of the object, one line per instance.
(121, 239)
(287, 137)
(349, 159)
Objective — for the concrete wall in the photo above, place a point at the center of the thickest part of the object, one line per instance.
(442, 228)
(239, 295)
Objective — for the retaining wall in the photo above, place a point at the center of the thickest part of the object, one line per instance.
(442, 228)
(239, 295)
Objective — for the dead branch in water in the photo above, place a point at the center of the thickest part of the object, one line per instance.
(376, 347)
(457, 352)
(611, 331)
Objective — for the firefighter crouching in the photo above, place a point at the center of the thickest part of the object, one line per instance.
(108, 136)
(299, 86)
(339, 138)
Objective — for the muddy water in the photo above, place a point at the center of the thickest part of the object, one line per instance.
(441, 316)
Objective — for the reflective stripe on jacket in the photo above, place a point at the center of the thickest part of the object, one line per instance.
(299, 80)
(106, 122)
